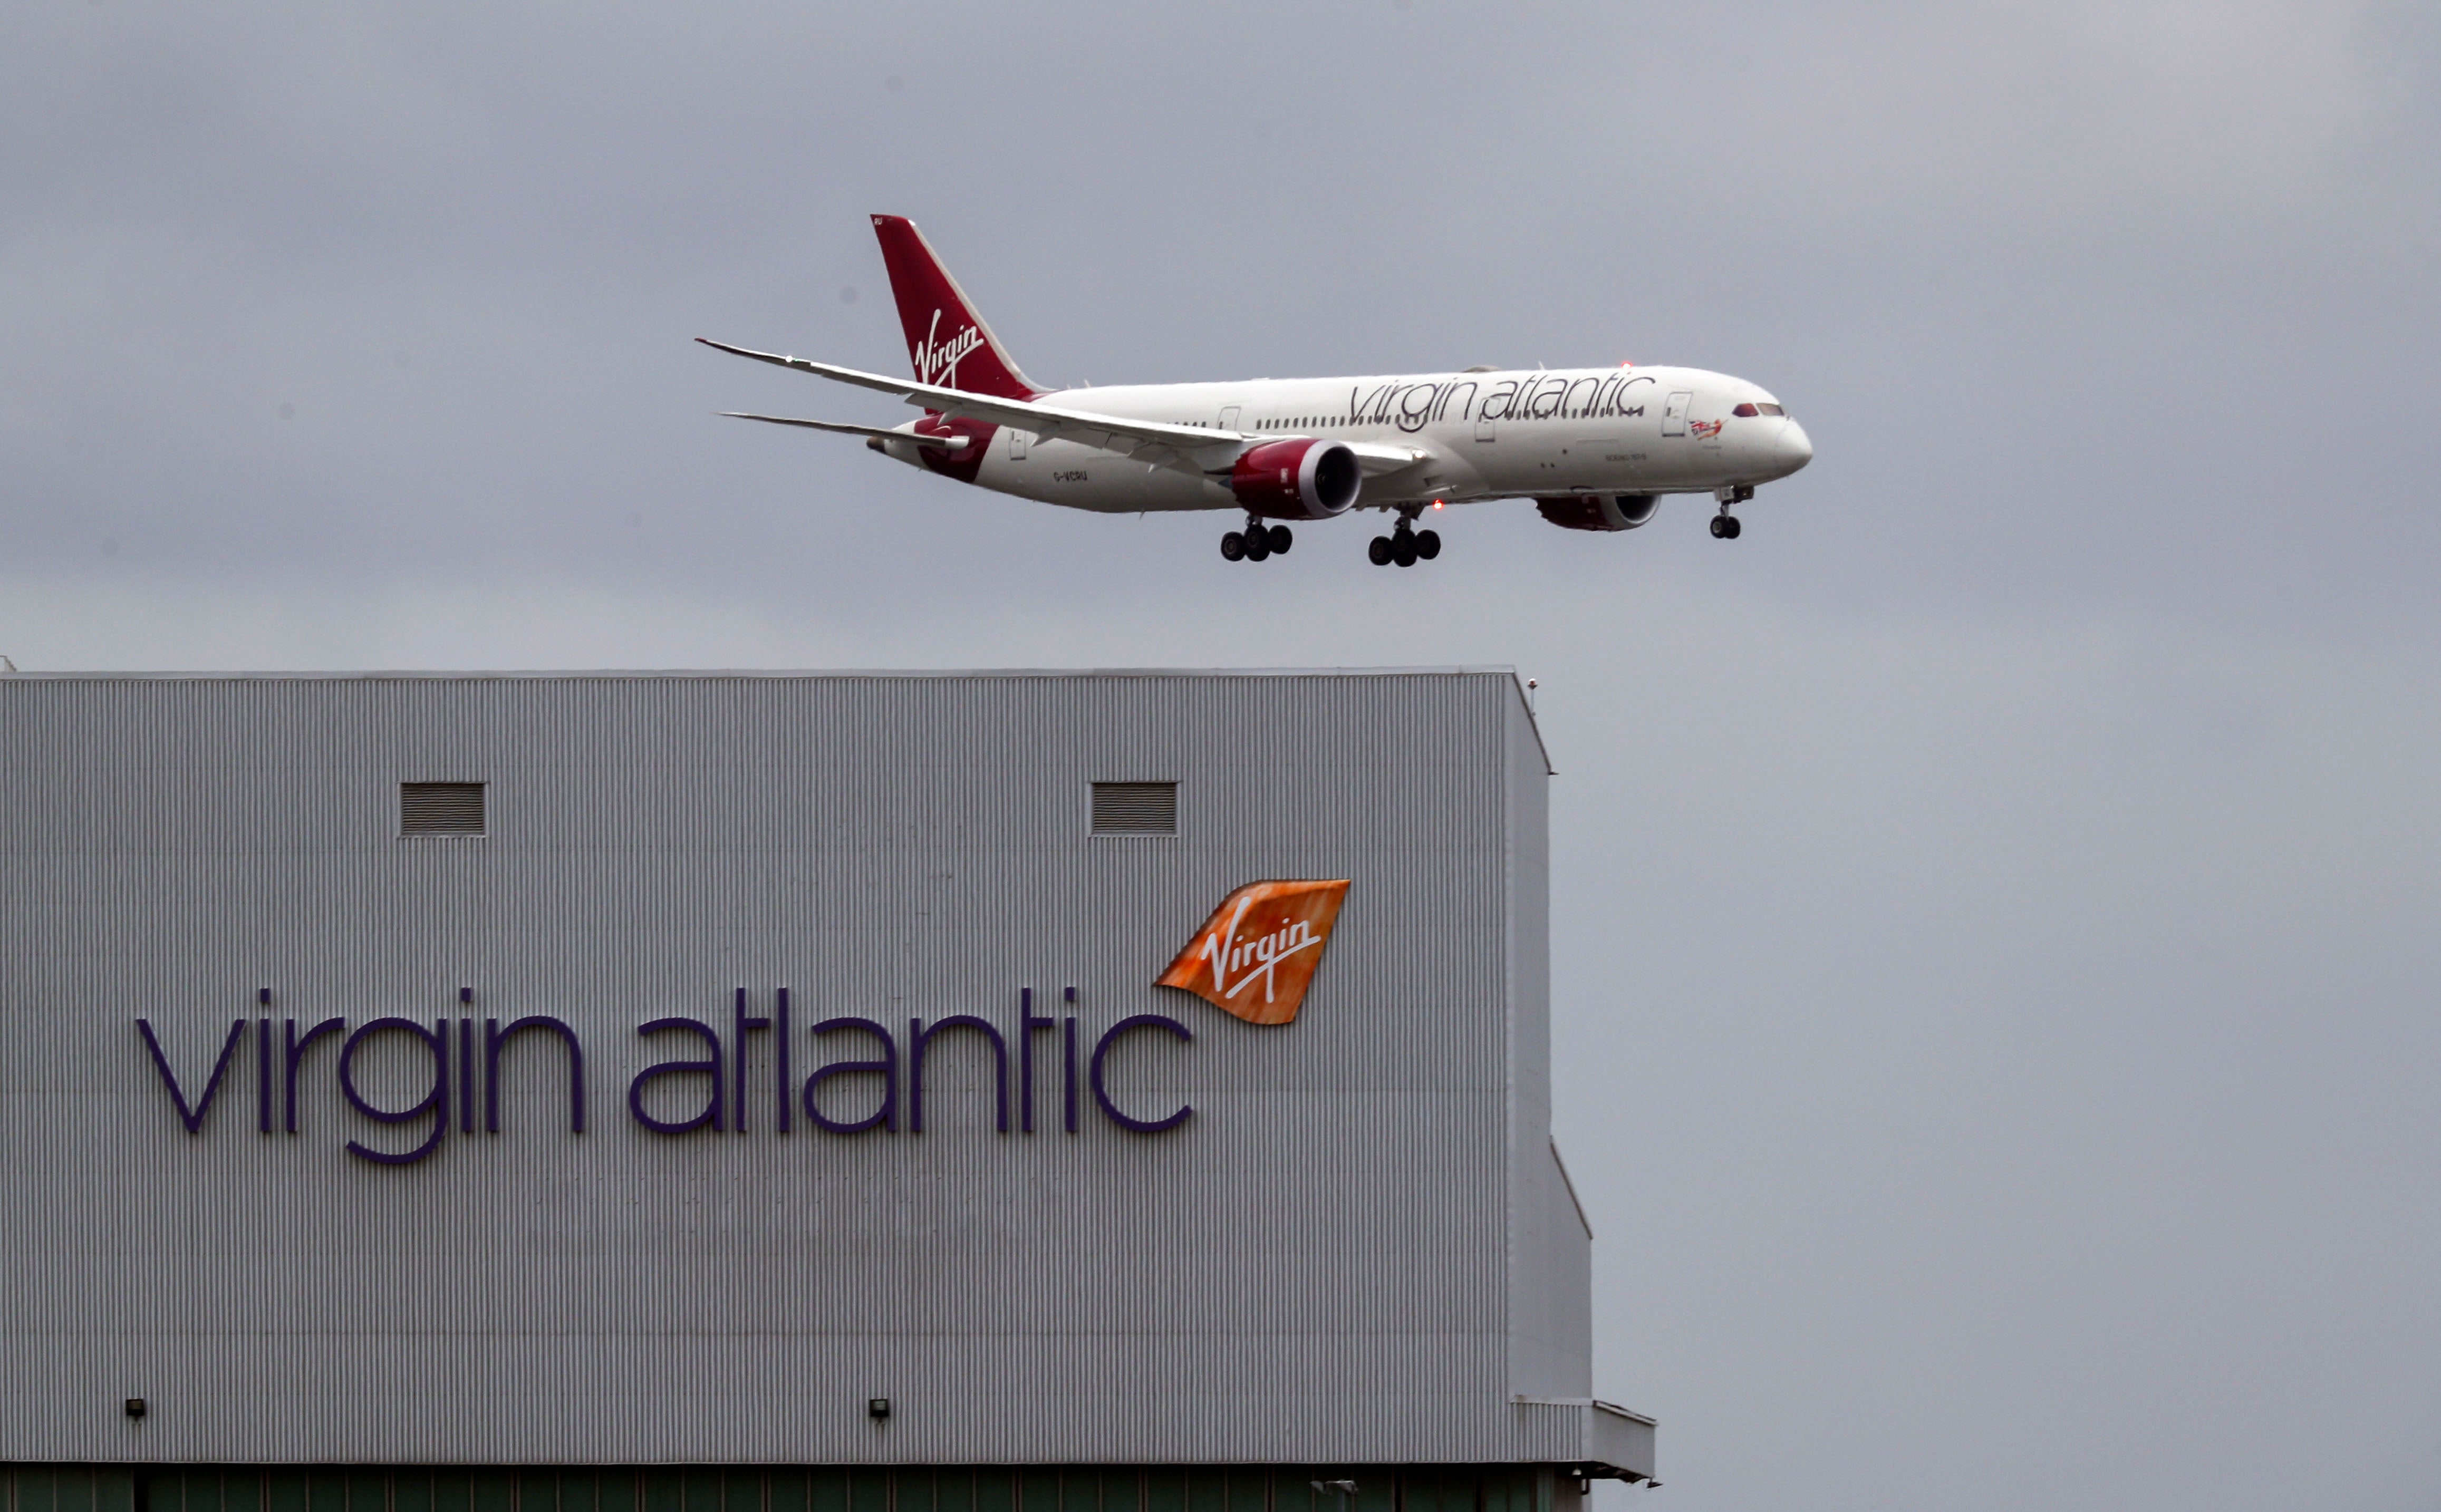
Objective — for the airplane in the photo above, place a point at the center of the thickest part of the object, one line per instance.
(1595, 448)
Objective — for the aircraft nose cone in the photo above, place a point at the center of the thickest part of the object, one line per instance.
(1795, 449)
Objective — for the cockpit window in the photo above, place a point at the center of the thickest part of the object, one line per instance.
(1750, 411)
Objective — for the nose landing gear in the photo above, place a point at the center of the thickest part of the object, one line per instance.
(1407, 545)
(1256, 541)
(1725, 524)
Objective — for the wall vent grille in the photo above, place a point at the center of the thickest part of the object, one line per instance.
(441, 808)
(1135, 808)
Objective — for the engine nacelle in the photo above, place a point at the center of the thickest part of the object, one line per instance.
(1298, 480)
(1599, 512)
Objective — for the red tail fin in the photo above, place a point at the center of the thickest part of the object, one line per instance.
(949, 342)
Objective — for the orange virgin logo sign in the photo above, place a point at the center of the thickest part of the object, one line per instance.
(1255, 956)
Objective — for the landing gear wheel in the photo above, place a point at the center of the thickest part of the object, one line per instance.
(1233, 545)
(1402, 548)
(1281, 539)
(1378, 552)
(1428, 544)
(1725, 524)
(1258, 545)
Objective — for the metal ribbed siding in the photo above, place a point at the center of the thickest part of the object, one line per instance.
(1320, 1267)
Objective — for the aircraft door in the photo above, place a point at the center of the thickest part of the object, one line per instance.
(1229, 418)
(1017, 444)
(1673, 417)
(1483, 431)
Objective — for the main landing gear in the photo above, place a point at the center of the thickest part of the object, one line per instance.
(1407, 545)
(1725, 524)
(1256, 541)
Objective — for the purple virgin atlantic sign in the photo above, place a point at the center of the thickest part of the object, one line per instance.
(877, 1084)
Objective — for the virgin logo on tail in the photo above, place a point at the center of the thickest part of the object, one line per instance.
(1254, 957)
(968, 356)
(936, 361)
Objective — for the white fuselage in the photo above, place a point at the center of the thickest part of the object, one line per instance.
(1481, 435)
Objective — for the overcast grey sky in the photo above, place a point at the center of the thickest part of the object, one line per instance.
(1995, 935)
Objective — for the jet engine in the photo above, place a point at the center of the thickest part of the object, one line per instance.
(1298, 480)
(1599, 512)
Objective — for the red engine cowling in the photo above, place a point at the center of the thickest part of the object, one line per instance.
(1599, 512)
(1298, 480)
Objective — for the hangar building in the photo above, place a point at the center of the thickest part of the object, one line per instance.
(735, 1092)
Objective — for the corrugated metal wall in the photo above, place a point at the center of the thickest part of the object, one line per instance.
(1319, 1266)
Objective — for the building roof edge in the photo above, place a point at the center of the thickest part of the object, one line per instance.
(785, 674)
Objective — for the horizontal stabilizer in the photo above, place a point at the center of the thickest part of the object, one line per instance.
(947, 443)
(1195, 446)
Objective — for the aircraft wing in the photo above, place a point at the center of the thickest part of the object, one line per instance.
(947, 443)
(1198, 448)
